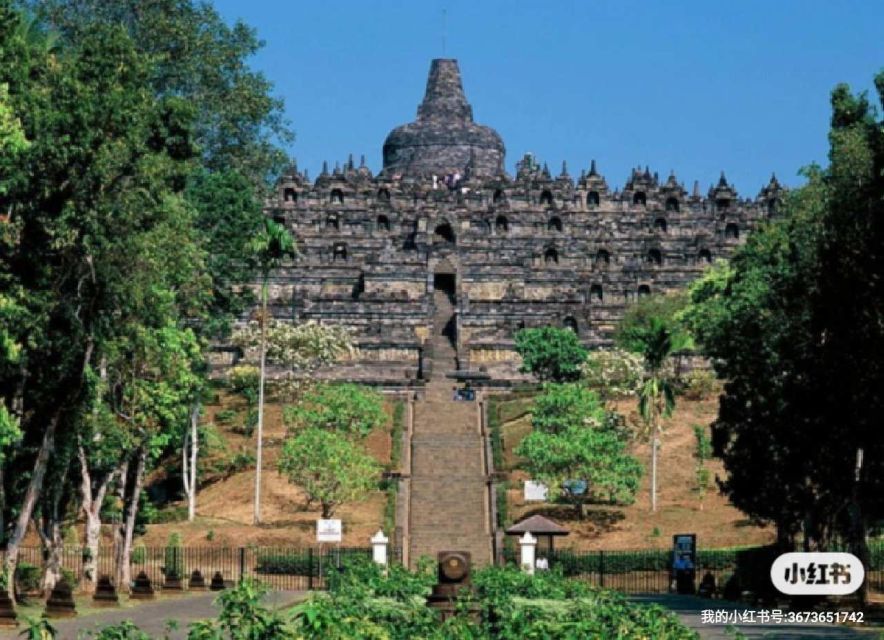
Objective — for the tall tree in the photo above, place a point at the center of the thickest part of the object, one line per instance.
(99, 222)
(271, 246)
(330, 468)
(578, 449)
(794, 328)
(196, 56)
(655, 329)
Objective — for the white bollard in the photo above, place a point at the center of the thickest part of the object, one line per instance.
(528, 544)
(379, 547)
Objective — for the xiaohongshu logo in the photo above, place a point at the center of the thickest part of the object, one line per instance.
(829, 574)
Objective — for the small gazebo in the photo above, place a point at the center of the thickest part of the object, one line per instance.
(541, 528)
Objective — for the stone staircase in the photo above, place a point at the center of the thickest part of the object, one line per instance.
(442, 340)
(448, 506)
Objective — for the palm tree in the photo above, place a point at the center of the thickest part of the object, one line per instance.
(271, 246)
(656, 398)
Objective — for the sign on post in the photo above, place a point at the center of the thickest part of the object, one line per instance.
(535, 491)
(329, 531)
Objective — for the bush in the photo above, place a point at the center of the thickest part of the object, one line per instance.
(699, 384)
(173, 557)
(226, 416)
(613, 373)
(169, 514)
(139, 554)
(305, 563)
(27, 577)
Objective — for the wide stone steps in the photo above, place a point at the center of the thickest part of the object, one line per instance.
(448, 510)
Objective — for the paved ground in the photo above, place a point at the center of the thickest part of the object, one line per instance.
(689, 608)
(151, 617)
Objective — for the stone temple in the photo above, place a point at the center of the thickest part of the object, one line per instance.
(437, 261)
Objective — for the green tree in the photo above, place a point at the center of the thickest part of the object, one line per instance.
(330, 468)
(103, 239)
(565, 406)
(348, 409)
(663, 309)
(577, 450)
(793, 328)
(238, 125)
(656, 330)
(656, 396)
(271, 247)
(550, 353)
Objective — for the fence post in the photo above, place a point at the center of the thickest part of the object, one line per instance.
(310, 569)
(242, 563)
(601, 568)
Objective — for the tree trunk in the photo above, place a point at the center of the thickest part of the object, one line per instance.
(92, 503)
(35, 486)
(47, 447)
(655, 443)
(124, 550)
(53, 547)
(189, 453)
(259, 457)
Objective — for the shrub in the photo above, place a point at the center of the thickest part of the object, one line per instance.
(139, 554)
(699, 384)
(173, 557)
(27, 577)
(304, 563)
(614, 373)
(225, 416)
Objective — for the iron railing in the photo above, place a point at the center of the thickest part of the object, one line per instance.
(285, 568)
(648, 570)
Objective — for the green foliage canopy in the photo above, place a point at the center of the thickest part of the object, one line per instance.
(330, 468)
(574, 439)
(550, 353)
(794, 329)
(348, 409)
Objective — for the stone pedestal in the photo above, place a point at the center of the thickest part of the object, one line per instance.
(8, 618)
(217, 582)
(143, 589)
(197, 581)
(61, 602)
(105, 593)
(173, 583)
(379, 544)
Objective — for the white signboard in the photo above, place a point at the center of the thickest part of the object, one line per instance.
(535, 491)
(329, 531)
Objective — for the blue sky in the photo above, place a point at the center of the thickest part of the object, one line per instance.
(694, 86)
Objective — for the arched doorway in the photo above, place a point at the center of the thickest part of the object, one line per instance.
(445, 280)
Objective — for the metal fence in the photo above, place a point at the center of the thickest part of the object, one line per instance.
(648, 570)
(285, 568)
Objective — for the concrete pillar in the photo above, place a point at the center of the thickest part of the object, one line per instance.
(379, 547)
(528, 544)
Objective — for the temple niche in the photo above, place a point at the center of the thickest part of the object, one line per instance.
(437, 261)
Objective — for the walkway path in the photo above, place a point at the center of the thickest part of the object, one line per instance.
(151, 617)
(689, 608)
(449, 510)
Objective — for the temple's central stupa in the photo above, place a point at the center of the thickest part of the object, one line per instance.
(444, 139)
